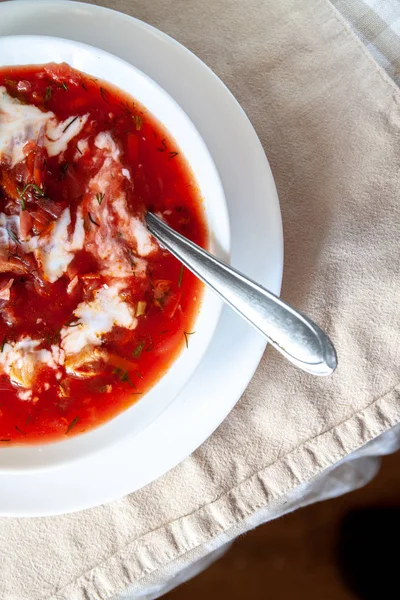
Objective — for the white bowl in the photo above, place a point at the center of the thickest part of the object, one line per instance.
(26, 50)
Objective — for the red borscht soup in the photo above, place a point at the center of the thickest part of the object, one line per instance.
(92, 310)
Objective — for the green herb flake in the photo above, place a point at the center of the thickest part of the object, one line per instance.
(77, 147)
(49, 93)
(151, 344)
(70, 123)
(37, 191)
(138, 122)
(104, 95)
(137, 353)
(180, 276)
(84, 86)
(20, 430)
(123, 376)
(13, 236)
(64, 86)
(5, 440)
(64, 168)
(72, 424)
(100, 197)
(125, 106)
(92, 220)
(172, 155)
(3, 344)
(186, 334)
(130, 254)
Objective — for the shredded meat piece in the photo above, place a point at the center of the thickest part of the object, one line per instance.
(5, 293)
(25, 223)
(87, 363)
(13, 265)
(52, 208)
(5, 289)
(62, 73)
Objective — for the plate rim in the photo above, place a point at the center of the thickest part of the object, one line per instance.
(53, 505)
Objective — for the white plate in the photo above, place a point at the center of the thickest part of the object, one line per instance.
(257, 250)
(15, 50)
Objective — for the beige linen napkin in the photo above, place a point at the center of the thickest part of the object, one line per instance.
(329, 119)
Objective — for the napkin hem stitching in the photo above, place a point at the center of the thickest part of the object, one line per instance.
(382, 73)
(239, 507)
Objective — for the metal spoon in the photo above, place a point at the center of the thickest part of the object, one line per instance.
(295, 336)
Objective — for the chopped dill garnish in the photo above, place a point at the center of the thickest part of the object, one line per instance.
(49, 93)
(92, 220)
(37, 192)
(19, 430)
(172, 155)
(77, 147)
(13, 236)
(180, 276)
(64, 168)
(6, 440)
(186, 334)
(72, 424)
(104, 95)
(123, 376)
(100, 197)
(3, 344)
(130, 255)
(138, 122)
(70, 123)
(74, 322)
(151, 344)
(126, 108)
(64, 86)
(137, 353)
(84, 86)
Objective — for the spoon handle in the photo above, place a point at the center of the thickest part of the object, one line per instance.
(295, 336)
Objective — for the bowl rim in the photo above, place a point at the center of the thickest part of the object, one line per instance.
(29, 458)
